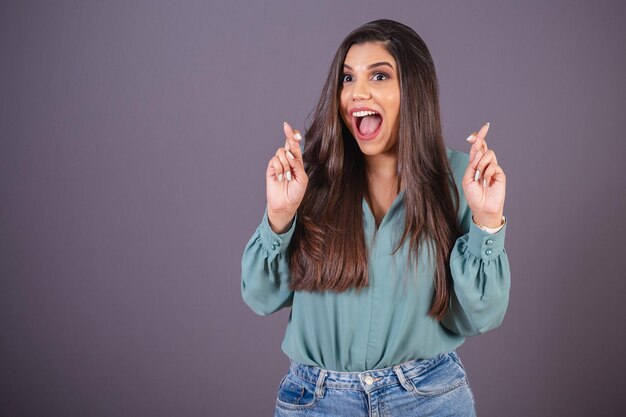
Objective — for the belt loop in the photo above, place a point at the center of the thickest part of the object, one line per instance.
(407, 385)
(319, 387)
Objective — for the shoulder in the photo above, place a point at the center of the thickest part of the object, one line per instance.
(458, 163)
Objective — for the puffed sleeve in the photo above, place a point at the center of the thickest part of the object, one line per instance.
(265, 270)
(481, 276)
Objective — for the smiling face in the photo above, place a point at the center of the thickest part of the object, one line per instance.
(370, 97)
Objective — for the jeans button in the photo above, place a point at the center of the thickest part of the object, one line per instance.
(368, 380)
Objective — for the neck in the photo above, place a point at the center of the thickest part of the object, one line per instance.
(382, 170)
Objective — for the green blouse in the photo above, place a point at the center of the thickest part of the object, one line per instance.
(387, 323)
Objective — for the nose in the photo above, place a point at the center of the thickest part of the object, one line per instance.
(360, 90)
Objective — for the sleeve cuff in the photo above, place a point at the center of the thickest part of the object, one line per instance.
(485, 245)
(275, 243)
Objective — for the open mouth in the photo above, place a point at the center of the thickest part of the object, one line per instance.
(367, 123)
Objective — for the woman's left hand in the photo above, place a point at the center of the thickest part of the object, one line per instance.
(484, 182)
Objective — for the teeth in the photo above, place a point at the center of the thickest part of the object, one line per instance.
(363, 113)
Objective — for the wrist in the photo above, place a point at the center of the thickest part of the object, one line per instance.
(279, 222)
(491, 221)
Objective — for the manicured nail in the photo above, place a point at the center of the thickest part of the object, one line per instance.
(288, 175)
(289, 155)
(469, 138)
(477, 175)
(487, 124)
(280, 177)
(297, 136)
(284, 123)
(484, 183)
(287, 145)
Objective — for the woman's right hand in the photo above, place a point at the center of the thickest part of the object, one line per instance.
(286, 182)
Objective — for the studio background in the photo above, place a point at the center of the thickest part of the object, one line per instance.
(134, 138)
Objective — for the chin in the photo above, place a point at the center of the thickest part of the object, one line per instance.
(377, 146)
(368, 150)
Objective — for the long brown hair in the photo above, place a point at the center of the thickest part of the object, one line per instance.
(328, 249)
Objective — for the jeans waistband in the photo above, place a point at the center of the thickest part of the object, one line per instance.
(366, 380)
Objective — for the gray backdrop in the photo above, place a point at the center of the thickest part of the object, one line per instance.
(133, 142)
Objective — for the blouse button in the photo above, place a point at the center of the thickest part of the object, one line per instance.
(368, 380)
(489, 241)
(488, 252)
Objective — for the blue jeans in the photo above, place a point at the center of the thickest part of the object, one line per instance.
(423, 387)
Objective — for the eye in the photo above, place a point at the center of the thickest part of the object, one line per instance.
(346, 78)
(380, 76)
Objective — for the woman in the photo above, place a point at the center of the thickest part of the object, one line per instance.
(385, 265)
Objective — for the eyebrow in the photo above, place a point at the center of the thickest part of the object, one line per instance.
(374, 65)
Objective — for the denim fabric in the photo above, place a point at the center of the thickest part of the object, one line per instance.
(423, 387)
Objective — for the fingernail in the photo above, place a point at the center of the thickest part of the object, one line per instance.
(477, 175)
(280, 177)
(288, 175)
(284, 123)
(484, 183)
(297, 136)
(469, 138)
(487, 124)
(287, 145)
(289, 155)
